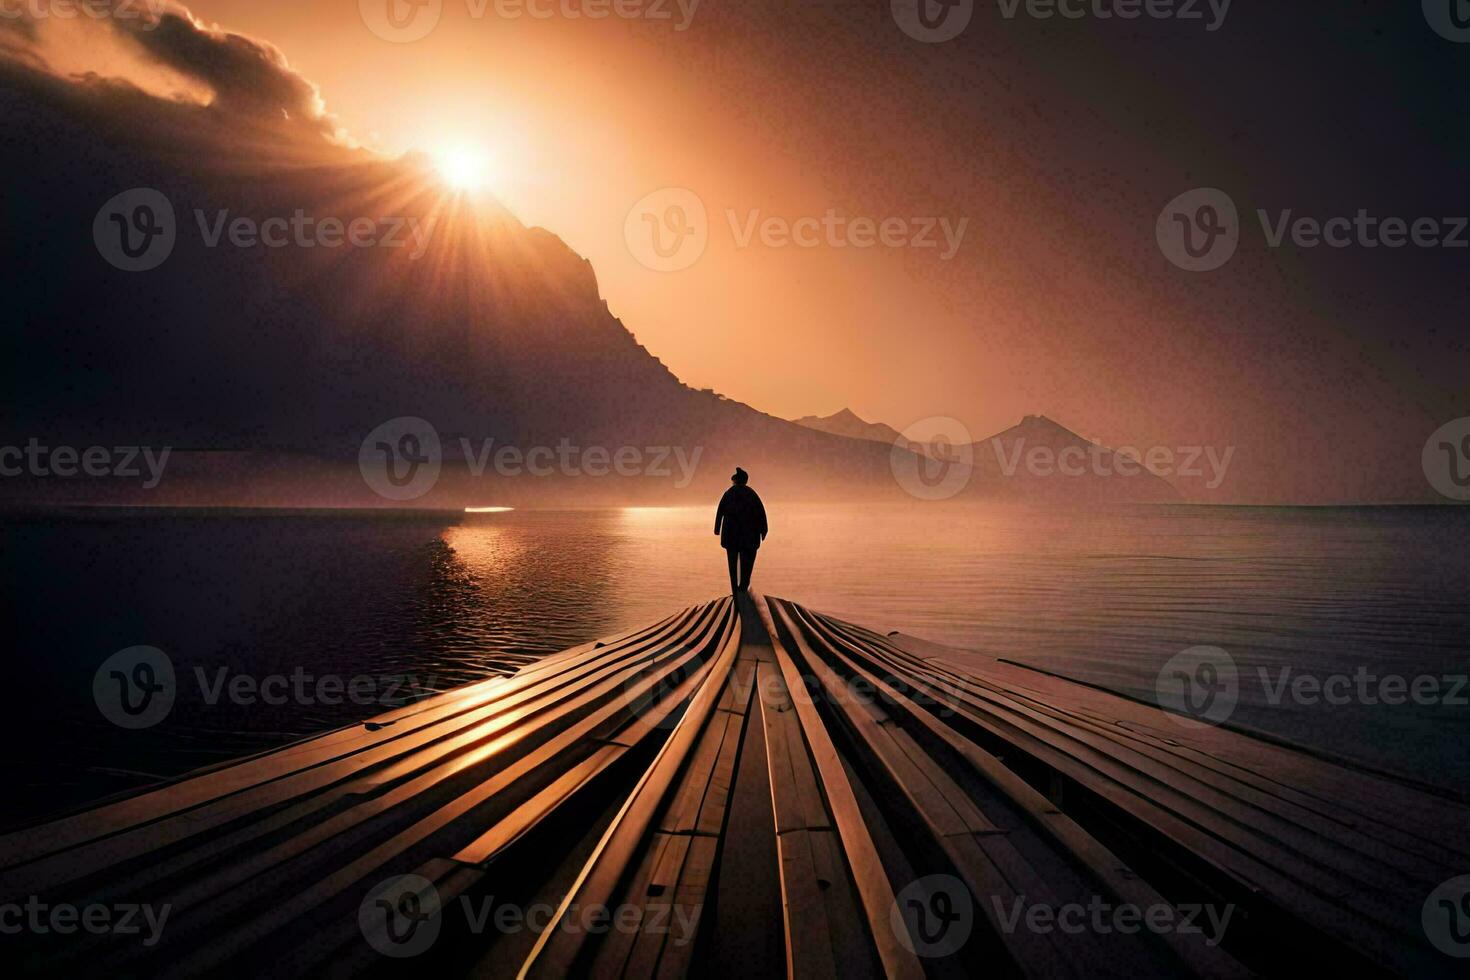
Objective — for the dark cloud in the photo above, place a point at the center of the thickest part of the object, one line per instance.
(248, 77)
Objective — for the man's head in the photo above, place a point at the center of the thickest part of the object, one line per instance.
(740, 477)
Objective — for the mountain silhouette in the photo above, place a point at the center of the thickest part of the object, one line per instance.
(1003, 469)
(1039, 459)
(846, 423)
(265, 368)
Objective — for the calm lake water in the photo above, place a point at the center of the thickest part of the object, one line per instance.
(406, 604)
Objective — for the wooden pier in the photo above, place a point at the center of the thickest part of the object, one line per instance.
(755, 789)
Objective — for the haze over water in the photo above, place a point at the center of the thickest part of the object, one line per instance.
(1104, 597)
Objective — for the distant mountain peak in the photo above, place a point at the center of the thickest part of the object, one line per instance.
(846, 422)
(843, 416)
(1041, 427)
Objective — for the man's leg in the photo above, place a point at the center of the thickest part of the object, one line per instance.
(747, 565)
(733, 556)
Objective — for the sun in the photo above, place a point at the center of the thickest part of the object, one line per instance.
(464, 168)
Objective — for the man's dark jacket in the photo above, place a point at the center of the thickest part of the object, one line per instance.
(740, 520)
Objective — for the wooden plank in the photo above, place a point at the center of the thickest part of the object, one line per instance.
(987, 861)
(226, 899)
(557, 951)
(463, 750)
(873, 888)
(1358, 914)
(808, 930)
(266, 859)
(283, 771)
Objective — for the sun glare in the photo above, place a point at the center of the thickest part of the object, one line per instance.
(464, 168)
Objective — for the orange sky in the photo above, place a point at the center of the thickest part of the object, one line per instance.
(1056, 145)
(584, 118)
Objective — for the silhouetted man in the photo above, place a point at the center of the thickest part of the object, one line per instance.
(740, 521)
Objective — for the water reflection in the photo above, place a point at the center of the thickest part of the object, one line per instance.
(1106, 597)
